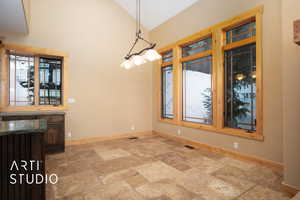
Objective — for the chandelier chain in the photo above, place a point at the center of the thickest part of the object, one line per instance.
(138, 17)
(138, 34)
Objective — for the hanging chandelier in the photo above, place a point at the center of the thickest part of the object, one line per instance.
(133, 59)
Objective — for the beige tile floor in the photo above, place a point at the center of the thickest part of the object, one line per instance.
(156, 168)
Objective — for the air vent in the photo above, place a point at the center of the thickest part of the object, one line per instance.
(133, 138)
(189, 147)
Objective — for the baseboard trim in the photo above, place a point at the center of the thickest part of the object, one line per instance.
(270, 164)
(289, 189)
(105, 138)
(236, 155)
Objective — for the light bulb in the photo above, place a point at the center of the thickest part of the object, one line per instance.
(127, 64)
(253, 75)
(138, 60)
(152, 55)
(240, 77)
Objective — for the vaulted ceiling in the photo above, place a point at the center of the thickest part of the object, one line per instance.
(155, 12)
(13, 17)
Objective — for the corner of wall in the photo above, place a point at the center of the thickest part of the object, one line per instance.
(26, 8)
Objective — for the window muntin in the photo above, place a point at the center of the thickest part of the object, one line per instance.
(240, 88)
(197, 47)
(21, 80)
(197, 90)
(50, 81)
(167, 92)
(167, 57)
(241, 32)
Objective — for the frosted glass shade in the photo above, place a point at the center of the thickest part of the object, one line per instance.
(138, 60)
(127, 64)
(152, 55)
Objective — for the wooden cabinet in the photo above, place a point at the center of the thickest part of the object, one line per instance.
(54, 137)
(20, 148)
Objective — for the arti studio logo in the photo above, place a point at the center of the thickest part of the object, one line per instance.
(29, 172)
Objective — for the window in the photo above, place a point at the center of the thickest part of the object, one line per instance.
(214, 78)
(167, 92)
(240, 79)
(197, 81)
(50, 81)
(240, 88)
(197, 98)
(167, 86)
(32, 78)
(241, 32)
(197, 47)
(21, 80)
(167, 57)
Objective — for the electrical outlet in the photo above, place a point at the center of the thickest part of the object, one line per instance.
(133, 127)
(71, 100)
(235, 145)
(179, 132)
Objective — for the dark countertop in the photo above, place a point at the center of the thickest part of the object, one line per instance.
(22, 127)
(5, 114)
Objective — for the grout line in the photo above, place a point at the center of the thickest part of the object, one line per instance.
(236, 198)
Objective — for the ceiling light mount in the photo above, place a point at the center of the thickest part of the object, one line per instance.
(136, 58)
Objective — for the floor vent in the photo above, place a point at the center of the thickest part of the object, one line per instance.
(133, 138)
(189, 147)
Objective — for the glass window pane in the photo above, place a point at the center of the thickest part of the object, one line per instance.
(167, 92)
(197, 94)
(197, 47)
(21, 80)
(167, 57)
(240, 33)
(240, 85)
(12, 81)
(50, 81)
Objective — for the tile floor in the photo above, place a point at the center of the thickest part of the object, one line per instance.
(153, 167)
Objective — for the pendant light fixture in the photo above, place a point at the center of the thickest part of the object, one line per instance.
(133, 59)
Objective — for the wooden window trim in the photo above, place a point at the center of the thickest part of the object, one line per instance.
(240, 43)
(219, 46)
(161, 65)
(201, 36)
(165, 64)
(255, 15)
(196, 56)
(37, 53)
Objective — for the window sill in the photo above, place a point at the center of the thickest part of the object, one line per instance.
(33, 108)
(226, 131)
(241, 133)
(169, 121)
(197, 126)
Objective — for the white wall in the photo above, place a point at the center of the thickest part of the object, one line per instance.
(291, 93)
(97, 34)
